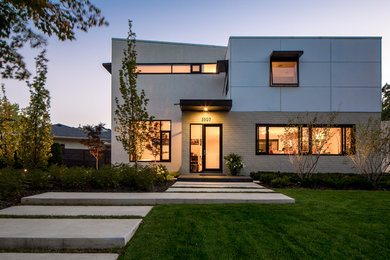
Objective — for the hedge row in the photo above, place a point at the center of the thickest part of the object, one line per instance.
(13, 182)
(318, 181)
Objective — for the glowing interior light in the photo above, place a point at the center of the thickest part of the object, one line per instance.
(205, 109)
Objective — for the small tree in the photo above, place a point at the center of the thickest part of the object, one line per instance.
(371, 157)
(131, 113)
(302, 157)
(154, 140)
(94, 143)
(9, 130)
(36, 139)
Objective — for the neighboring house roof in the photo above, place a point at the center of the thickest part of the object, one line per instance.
(64, 131)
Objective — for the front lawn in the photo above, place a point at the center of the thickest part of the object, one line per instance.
(329, 224)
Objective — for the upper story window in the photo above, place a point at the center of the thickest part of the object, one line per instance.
(284, 71)
(206, 68)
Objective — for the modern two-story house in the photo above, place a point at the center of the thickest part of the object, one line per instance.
(216, 100)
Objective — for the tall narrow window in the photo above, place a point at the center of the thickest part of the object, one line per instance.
(261, 140)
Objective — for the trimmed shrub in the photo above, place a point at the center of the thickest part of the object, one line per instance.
(56, 154)
(11, 182)
(280, 182)
(105, 178)
(76, 178)
(38, 179)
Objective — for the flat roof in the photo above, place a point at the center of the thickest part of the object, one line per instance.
(177, 43)
(305, 37)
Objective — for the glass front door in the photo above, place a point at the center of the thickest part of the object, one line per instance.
(205, 148)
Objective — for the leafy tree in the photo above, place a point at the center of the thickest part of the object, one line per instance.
(9, 130)
(94, 143)
(131, 113)
(36, 126)
(154, 142)
(386, 102)
(372, 156)
(302, 157)
(20, 19)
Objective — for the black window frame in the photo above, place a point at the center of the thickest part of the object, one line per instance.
(161, 145)
(284, 56)
(183, 63)
(300, 144)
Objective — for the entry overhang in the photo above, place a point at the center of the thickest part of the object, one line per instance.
(206, 105)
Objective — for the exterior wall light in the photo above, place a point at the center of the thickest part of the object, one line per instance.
(205, 109)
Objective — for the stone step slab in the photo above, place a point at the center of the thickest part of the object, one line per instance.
(213, 178)
(240, 185)
(57, 256)
(234, 190)
(22, 233)
(153, 198)
(136, 211)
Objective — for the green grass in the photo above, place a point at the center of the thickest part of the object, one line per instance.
(323, 224)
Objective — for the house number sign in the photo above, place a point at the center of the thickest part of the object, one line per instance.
(206, 119)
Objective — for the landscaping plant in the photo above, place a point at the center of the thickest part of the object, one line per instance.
(9, 130)
(131, 115)
(372, 157)
(35, 135)
(93, 142)
(304, 158)
(234, 163)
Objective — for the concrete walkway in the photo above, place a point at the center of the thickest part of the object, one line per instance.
(66, 233)
(41, 223)
(56, 256)
(113, 211)
(239, 185)
(224, 190)
(153, 198)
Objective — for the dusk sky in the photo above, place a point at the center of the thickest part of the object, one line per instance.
(80, 86)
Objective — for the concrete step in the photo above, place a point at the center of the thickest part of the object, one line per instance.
(213, 178)
(57, 256)
(153, 198)
(22, 233)
(174, 189)
(226, 185)
(138, 211)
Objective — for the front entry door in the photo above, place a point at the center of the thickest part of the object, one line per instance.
(206, 148)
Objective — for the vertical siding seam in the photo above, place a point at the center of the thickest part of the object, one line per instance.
(330, 72)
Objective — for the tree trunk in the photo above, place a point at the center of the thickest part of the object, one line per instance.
(97, 163)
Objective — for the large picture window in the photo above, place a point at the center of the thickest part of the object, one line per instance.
(283, 139)
(158, 148)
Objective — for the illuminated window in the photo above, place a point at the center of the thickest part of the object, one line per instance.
(285, 68)
(158, 147)
(326, 140)
(209, 68)
(261, 139)
(181, 68)
(195, 68)
(176, 68)
(154, 69)
(283, 139)
(284, 72)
